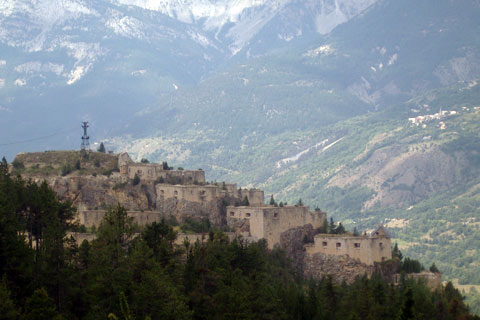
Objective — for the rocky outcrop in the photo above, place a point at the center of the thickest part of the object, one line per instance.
(182, 210)
(88, 192)
(293, 240)
(341, 268)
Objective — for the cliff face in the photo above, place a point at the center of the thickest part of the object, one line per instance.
(102, 191)
(404, 174)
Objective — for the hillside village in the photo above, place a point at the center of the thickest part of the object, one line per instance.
(94, 181)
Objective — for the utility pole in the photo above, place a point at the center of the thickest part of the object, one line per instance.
(85, 138)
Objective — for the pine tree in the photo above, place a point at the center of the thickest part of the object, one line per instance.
(40, 307)
(331, 227)
(136, 180)
(355, 232)
(272, 201)
(101, 148)
(396, 253)
(7, 307)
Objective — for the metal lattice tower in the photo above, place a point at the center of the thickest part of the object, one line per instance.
(85, 138)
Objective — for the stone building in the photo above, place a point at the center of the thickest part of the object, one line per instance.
(368, 249)
(269, 222)
(155, 171)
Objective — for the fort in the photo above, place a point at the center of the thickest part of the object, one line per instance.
(368, 249)
(152, 192)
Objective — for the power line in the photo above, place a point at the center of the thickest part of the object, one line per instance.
(38, 138)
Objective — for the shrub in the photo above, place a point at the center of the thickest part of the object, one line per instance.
(66, 169)
(136, 180)
(18, 164)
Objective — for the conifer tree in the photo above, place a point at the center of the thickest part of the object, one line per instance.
(101, 148)
(272, 201)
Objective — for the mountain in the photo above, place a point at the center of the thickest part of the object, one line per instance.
(301, 98)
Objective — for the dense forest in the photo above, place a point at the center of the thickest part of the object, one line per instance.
(126, 275)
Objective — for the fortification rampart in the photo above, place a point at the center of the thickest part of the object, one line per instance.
(192, 193)
(268, 222)
(255, 197)
(93, 218)
(366, 249)
(433, 280)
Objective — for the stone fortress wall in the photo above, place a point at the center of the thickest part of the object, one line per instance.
(366, 249)
(155, 171)
(93, 218)
(269, 222)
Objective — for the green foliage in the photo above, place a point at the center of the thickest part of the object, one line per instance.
(101, 148)
(245, 201)
(144, 160)
(136, 180)
(120, 186)
(272, 201)
(77, 165)
(433, 268)
(411, 266)
(66, 169)
(40, 307)
(195, 225)
(165, 166)
(396, 253)
(8, 309)
(18, 164)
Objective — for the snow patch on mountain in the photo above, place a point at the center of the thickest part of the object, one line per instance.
(20, 82)
(124, 25)
(297, 157)
(36, 67)
(334, 13)
(77, 73)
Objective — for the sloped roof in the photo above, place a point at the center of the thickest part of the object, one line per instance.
(380, 231)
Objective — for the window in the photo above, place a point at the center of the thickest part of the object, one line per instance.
(338, 245)
(248, 214)
(324, 243)
(232, 214)
(381, 245)
(357, 245)
(275, 215)
(175, 193)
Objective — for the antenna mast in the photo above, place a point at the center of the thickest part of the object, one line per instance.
(85, 138)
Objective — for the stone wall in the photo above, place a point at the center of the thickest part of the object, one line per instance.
(191, 193)
(255, 197)
(432, 280)
(366, 249)
(269, 222)
(145, 171)
(152, 172)
(90, 218)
